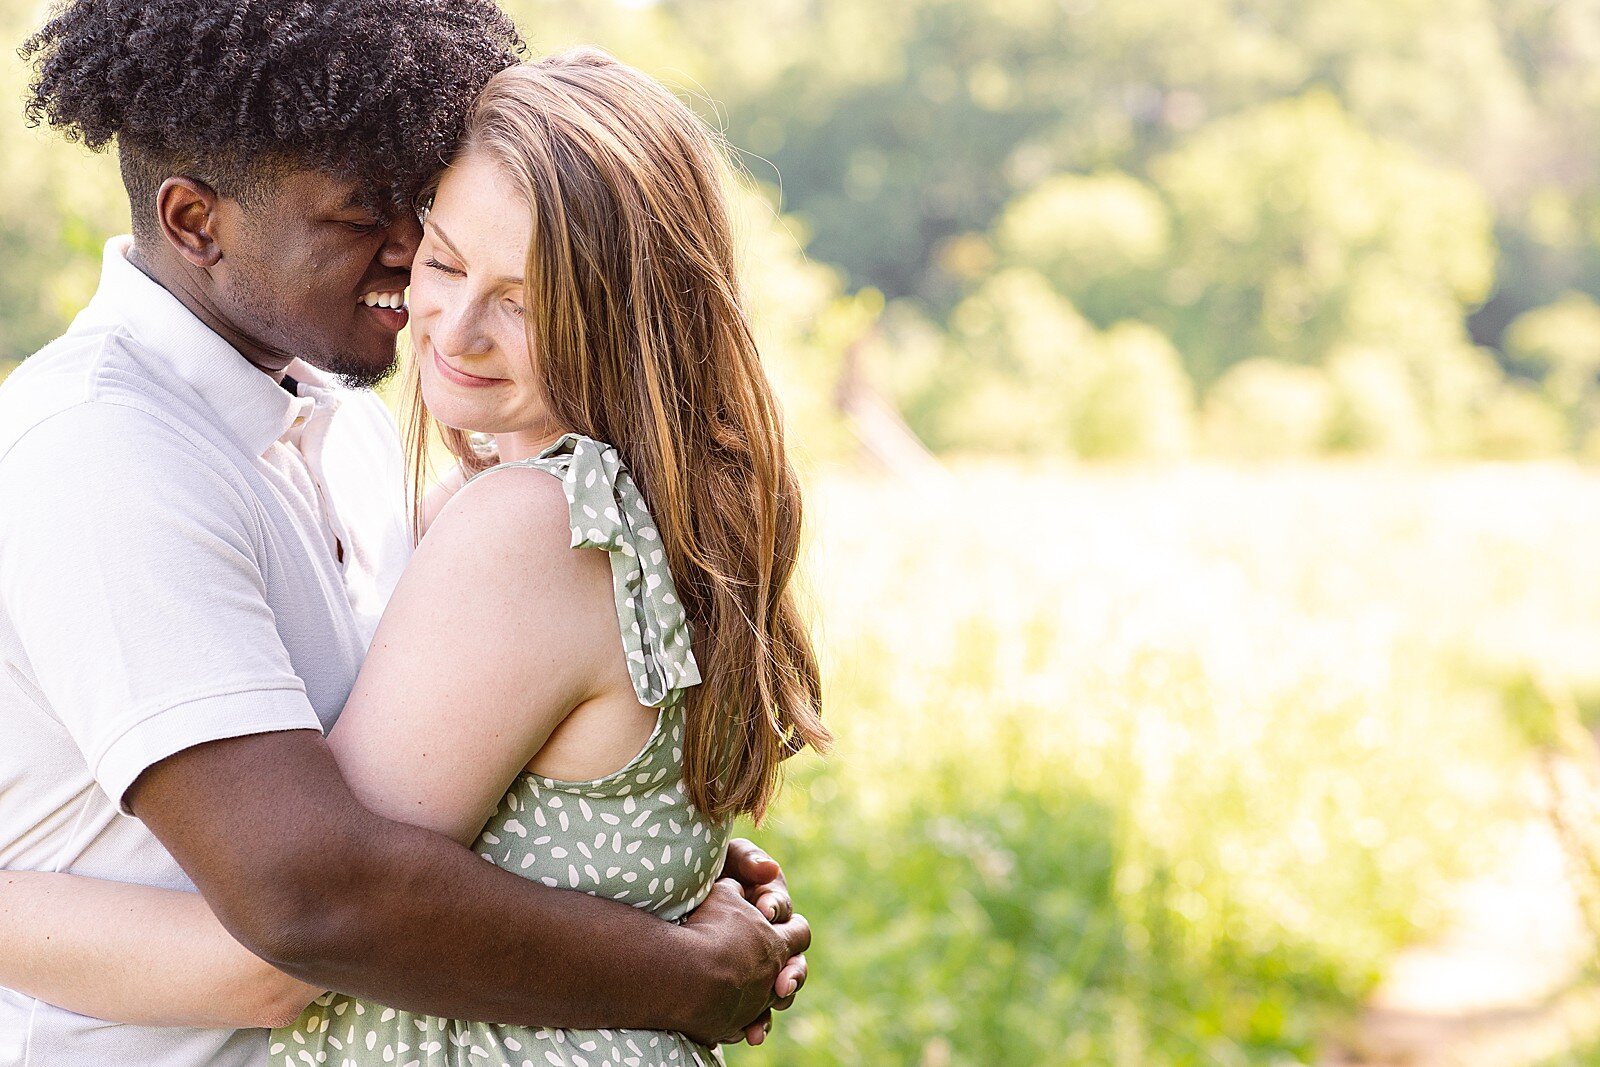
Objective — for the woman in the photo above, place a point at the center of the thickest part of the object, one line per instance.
(574, 298)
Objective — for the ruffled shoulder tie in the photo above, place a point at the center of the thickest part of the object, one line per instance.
(608, 512)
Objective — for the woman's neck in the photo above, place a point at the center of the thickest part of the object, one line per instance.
(524, 444)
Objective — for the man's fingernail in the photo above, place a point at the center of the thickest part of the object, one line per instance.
(785, 987)
(770, 911)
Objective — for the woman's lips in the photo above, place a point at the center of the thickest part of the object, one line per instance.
(461, 377)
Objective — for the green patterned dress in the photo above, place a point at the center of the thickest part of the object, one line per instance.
(632, 836)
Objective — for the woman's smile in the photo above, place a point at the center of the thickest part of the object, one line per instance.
(461, 377)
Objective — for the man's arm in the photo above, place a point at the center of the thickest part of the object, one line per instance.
(132, 577)
(306, 877)
(139, 954)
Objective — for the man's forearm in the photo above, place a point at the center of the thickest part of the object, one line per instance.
(412, 920)
(324, 889)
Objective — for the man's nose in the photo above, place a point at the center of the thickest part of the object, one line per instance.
(400, 242)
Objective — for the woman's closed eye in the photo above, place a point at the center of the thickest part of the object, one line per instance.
(442, 269)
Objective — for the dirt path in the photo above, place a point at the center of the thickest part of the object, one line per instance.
(1503, 987)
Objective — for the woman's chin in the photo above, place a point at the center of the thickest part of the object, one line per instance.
(448, 409)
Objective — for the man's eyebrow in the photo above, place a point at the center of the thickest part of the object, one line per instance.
(357, 202)
(428, 223)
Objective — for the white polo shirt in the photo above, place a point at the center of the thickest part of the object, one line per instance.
(187, 553)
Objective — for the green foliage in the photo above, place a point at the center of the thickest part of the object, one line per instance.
(804, 323)
(1101, 239)
(1170, 787)
(1137, 402)
(1115, 394)
(1560, 342)
(1375, 409)
(1519, 423)
(1023, 352)
(1284, 233)
(1298, 231)
(1561, 338)
(1586, 1054)
(1301, 182)
(59, 205)
(1262, 409)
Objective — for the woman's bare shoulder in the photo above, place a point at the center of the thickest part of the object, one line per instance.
(524, 503)
(510, 531)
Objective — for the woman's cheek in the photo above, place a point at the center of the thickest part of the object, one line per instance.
(422, 300)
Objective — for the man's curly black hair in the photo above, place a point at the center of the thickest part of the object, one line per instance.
(237, 93)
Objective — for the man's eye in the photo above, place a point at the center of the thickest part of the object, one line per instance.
(368, 226)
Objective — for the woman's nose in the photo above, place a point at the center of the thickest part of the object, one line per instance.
(458, 331)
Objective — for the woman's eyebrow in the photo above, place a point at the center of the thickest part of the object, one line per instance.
(428, 223)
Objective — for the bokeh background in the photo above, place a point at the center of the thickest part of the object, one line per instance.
(1198, 400)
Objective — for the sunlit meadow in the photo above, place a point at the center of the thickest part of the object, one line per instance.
(1160, 767)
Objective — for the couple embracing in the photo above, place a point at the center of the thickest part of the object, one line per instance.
(226, 669)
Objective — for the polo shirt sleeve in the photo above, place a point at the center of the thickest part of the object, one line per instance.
(129, 567)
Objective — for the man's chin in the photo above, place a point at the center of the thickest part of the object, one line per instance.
(356, 372)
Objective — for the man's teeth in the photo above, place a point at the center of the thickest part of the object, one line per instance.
(385, 300)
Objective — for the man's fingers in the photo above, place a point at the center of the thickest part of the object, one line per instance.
(750, 867)
(757, 1031)
(790, 980)
(773, 902)
(728, 885)
(796, 933)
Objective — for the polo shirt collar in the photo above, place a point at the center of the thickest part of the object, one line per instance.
(249, 404)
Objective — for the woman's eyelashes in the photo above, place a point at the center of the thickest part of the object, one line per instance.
(455, 272)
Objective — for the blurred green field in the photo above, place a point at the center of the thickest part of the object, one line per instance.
(1160, 767)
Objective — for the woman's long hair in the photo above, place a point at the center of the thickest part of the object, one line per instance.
(637, 328)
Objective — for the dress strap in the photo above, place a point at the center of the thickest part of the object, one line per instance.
(608, 512)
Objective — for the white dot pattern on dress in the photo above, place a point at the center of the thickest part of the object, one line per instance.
(631, 836)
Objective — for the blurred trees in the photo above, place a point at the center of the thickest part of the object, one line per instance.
(57, 206)
(1107, 230)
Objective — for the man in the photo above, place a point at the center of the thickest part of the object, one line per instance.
(198, 528)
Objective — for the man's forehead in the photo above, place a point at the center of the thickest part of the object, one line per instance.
(333, 192)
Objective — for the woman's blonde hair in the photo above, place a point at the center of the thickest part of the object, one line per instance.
(637, 328)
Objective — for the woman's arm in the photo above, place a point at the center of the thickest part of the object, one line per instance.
(497, 631)
(135, 954)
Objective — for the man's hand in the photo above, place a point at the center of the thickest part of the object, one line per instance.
(762, 882)
(736, 942)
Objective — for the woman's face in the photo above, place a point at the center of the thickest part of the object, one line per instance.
(466, 302)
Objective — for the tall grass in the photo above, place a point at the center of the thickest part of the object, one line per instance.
(1158, 768)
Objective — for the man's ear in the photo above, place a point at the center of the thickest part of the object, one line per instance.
(187, 210)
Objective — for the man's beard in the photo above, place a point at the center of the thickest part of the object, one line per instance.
(343, 364)
(351, 374)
